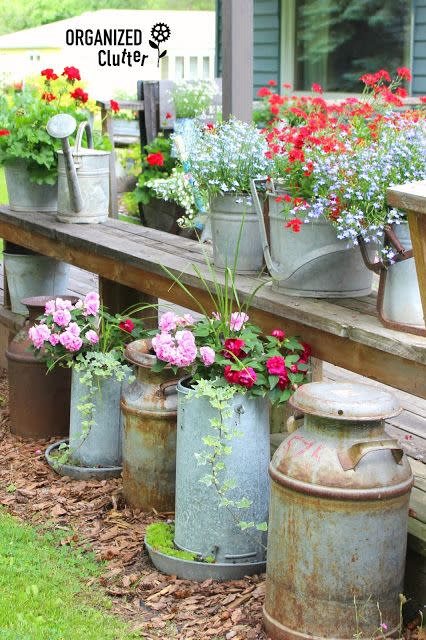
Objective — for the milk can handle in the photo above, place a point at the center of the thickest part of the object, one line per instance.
(83, 126)
(351, 457)
(164, 386)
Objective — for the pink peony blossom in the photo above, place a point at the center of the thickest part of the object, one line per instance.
(168, 321)
(61, 317)
(54, 339)
(91, 304)
(238, 320)
(74, 329)
(49, 308)
(70, 342)
(38, 335)
(276, 366)
(63, 304)
(208, 355)
(163, 345)
(92, 336)
(247, 377)
(180, 351)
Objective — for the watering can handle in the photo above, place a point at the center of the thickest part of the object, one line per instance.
(280, 273)
(352, 456)
(82, 127)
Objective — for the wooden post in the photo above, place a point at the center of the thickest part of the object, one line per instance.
(107, 128)
(237, 59)
(411, 198)
(118, 297)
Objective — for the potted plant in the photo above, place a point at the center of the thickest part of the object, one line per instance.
(222, 451)
(221, 162)
(124, 120)
(191, 99)
(27, 151)
(85, 337)
(332, 168)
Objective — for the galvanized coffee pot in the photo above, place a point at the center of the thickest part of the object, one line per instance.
(338, 518)
(83, 174)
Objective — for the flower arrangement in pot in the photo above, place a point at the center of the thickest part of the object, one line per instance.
(234, 373)
(332, 169)
(191, 99)
(27, 151)
(85, 337)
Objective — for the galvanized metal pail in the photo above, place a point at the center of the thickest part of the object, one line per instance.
(338, 518)
(401, 301)
(235, 230)
(313, 263)
(101, 446)
(149, 406)
(201, 525)
(25, 195)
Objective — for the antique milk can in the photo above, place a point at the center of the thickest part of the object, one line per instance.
(83, 174)
(338, 518)
(39, 401)
(149, 406)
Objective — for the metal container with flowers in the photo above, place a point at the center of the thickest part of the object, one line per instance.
(85, 337)
(234, 373)
(191, 100)
(333, 164)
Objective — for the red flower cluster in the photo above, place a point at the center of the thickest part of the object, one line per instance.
(49, 74)
(48, 96)
(127, 325)
(79, 94)
(155, 159)
(71, 73)
(114, 106)
(168, 115)
(234, 348)
(245, 377)
(295, 225)
(4, 132)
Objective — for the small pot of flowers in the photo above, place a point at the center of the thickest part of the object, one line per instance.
(85, 337)
(191, 99)
(222, 452)
(27, 151)
(332, 164)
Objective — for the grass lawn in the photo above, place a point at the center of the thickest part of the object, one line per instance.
(44, 593)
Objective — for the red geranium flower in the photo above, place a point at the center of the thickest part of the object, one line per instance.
(114, 106)
(316, 88)
(79, 94)
(71, 73)
(247, 377)
(404, 73)
(49, 74)
(209, 126)
(155, 159)
(422, 99)
(272, 83)
(286, 85)
(4, 132)
(127, 325)
(263, 92)
(276, 366)
(48, 97)
(294, 225)
(234, 346)
(168, 115)
(279, 334)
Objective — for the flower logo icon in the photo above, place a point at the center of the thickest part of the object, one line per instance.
(160, 32)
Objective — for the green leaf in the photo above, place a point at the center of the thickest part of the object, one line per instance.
(262, 526)
(273, 381)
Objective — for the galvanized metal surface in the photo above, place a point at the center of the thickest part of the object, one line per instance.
(91, 191)
(149, 406)
(34, 275)
(39, 402)
(102, 445)
(25, 195)
(336, 535)
(75, 472)
(201, 525)
(313, 263)
(345, 401)
(227, 217)
(401, 300)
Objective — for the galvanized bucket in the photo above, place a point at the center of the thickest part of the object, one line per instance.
(102, 445)
(401, 301)
(25, 195)
(313, 263)
(34, 275)
(235, 230)
(338, 518)
(92, 167)
(149, 406)
(201, 525)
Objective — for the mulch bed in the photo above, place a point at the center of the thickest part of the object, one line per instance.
(92, 514)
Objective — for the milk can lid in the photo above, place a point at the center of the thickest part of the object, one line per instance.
(345, 401)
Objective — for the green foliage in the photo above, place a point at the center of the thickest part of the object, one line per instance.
(160, 536)
(160, 145)
(191, 99)
(39, 577)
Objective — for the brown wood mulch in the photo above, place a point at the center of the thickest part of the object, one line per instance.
(92, 515)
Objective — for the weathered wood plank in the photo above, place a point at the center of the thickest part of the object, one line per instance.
(417, 536)
(419, 472)
(418, 504)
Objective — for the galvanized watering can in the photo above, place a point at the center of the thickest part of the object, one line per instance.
(83, 173)
(314, 263)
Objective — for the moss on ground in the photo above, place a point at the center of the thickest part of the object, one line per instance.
(160, 536)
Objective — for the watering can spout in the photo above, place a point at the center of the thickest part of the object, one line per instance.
(61, 127)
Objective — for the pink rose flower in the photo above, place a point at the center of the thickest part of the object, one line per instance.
(38, 335)
(74, 329)
(238, 320)
(91, 304)
(168, 321)
(163, 345)
(54, 339)
(61, 317)
(92, 336)
(49, 308)
(78, 304)
(70, 342)
(247, 377)
(63, 304)
(186, 351)
(208, 355)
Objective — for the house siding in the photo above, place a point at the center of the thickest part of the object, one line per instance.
(266, 41)
(419, 48)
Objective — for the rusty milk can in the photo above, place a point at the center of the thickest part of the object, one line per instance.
(338, 518)
(39, 401)
(149, 406)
